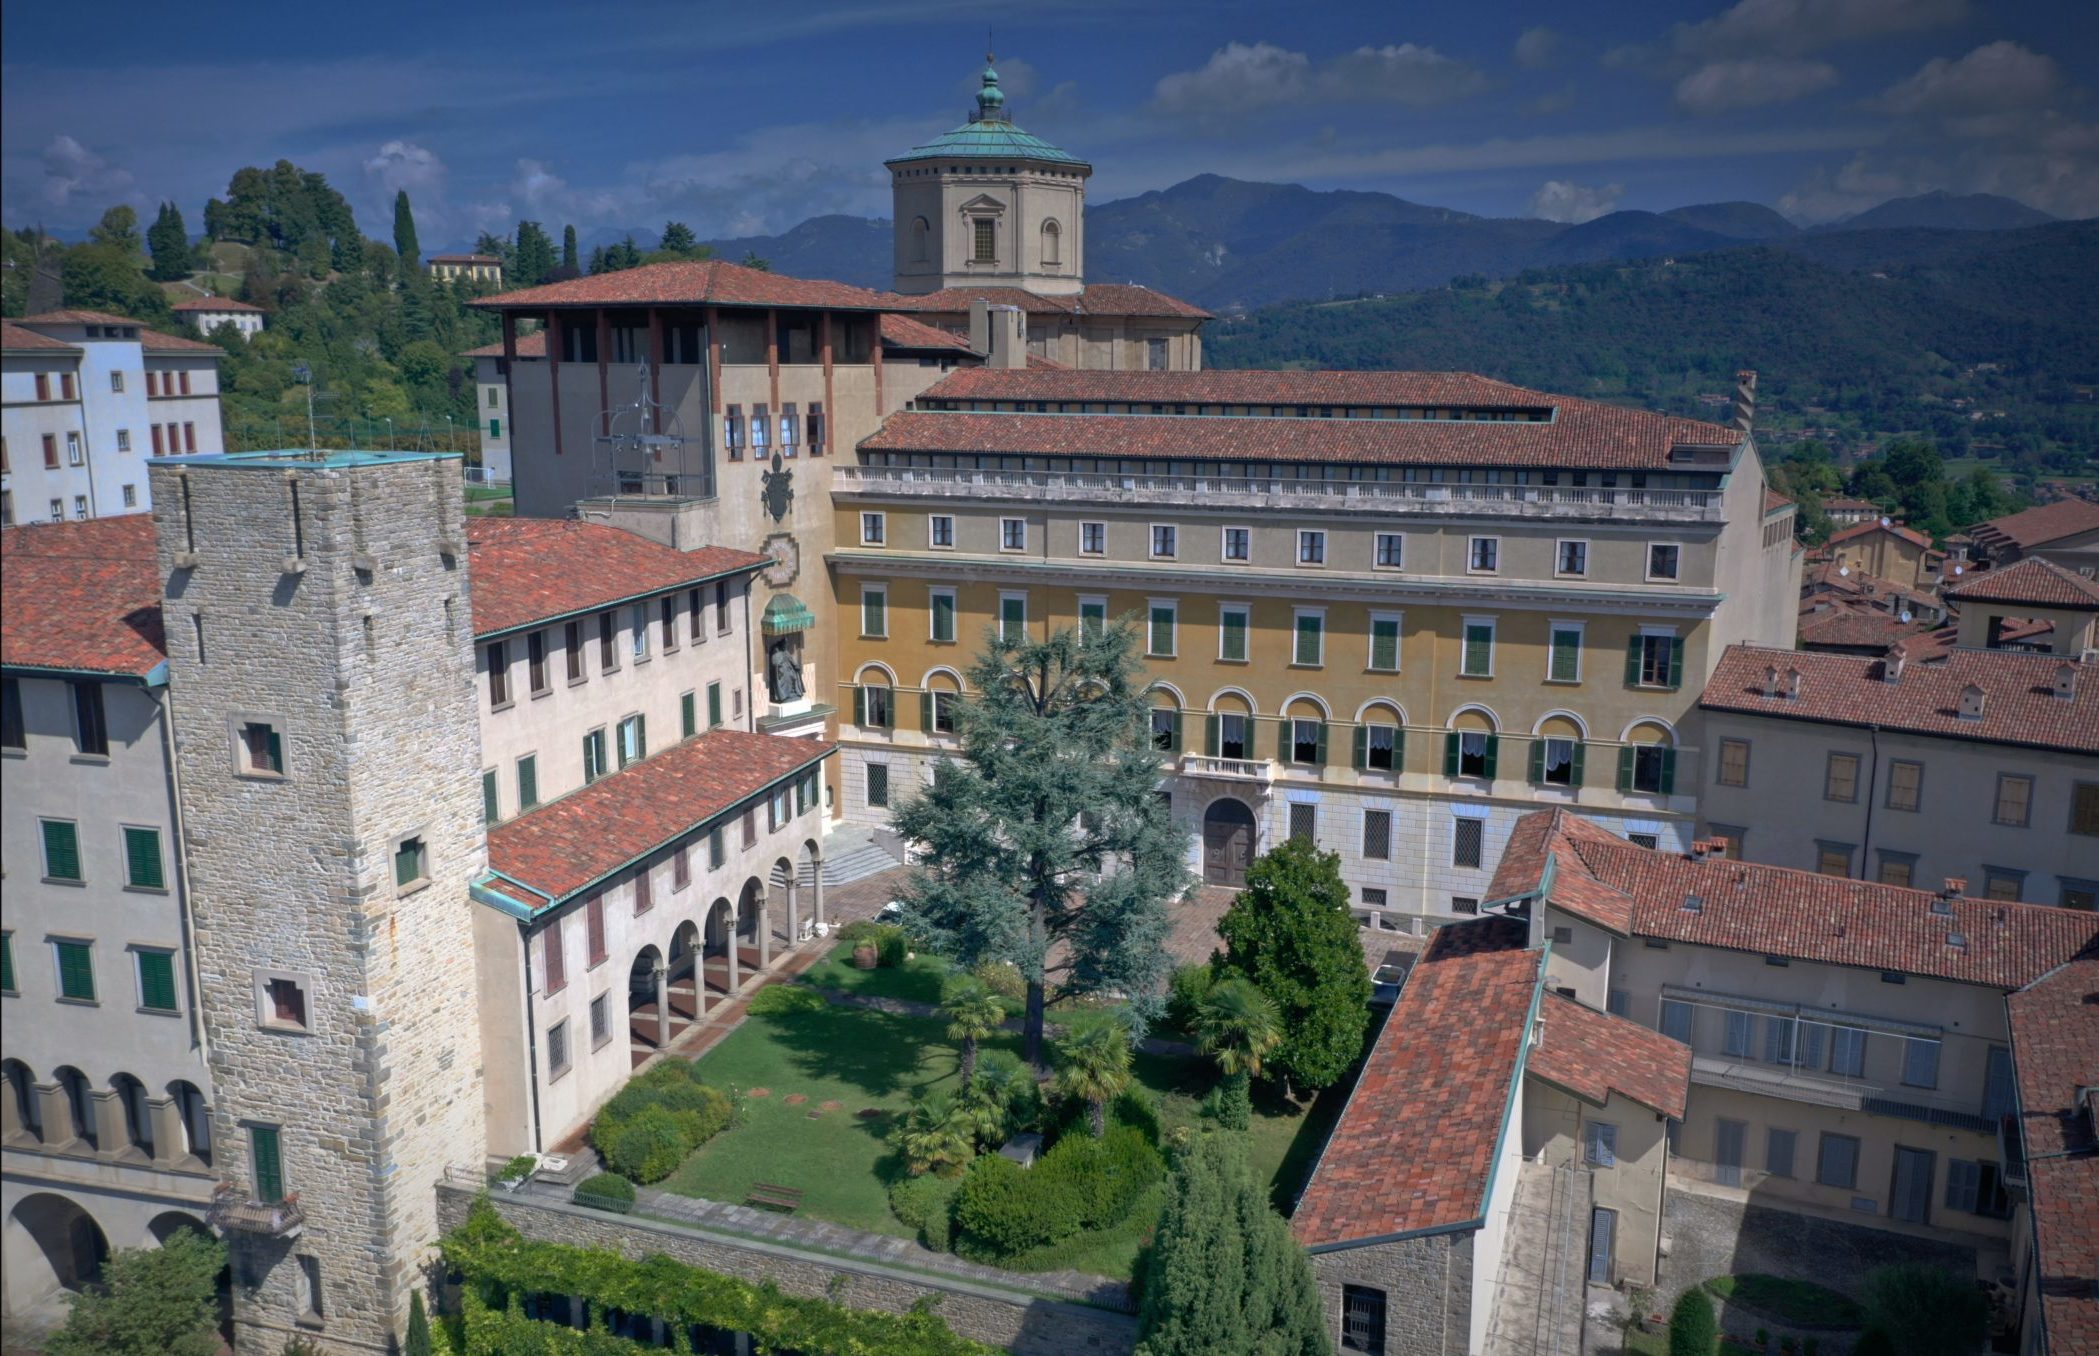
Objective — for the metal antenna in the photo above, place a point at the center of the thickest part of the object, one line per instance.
(633, 440)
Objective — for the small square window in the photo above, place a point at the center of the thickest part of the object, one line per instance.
(1311, 548)
(874, 529)
(1012, 534)
(262, 749)
(1663, 559)
(1093, 539)
(1391, 551)
(284, 1002)
(411, 863)
(1238, 545)
(1485, 555)
(940, 532)
(1165, 541)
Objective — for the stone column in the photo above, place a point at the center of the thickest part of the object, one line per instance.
(11, 1127)
(765, 929)
(55, 1110)
(794, 915)
(663, 1006)
(734, 983)
(819, 867)
(107, 1107)
(170, 1136)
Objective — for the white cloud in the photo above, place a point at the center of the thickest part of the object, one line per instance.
(2001, 75)
(2043, 159)
(1242, 78)
(402, 165)
(72, 171)
(1536, 48)
(1798, 27)
(1560, 200)
(1723, 86)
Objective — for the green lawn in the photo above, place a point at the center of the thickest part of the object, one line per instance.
(917, 981)
(1785, 1301)
(864, 1058)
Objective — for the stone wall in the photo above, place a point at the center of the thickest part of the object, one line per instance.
(1427, 1284)
(1024, 1324)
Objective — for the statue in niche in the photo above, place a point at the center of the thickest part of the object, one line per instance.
(785, 672)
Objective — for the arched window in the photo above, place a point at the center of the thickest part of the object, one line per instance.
(1473, 746)
(1647, 761)
(1380, 739)
(1052, 243)
(874, 699)
(921, 234)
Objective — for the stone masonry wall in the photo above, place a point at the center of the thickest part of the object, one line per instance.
(1025, 1326)
(1427, 1284)
(368, 675)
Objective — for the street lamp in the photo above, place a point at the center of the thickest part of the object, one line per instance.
(304, 376)
(389, 431)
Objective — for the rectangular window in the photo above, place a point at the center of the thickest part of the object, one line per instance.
(639, 617)
(1381, 747)
(1362, 1319)
(61, 850)
(1557, 761)
(681, 868)
(1470, 753)
(1840, 778)
(1662, 560)
(73, 455)
(1847, 1051)
(265, 1150)
(261, 749)
(1305, 742)
(527, 782)
(1159, 636)
(940, 705)
(1572, 559)
(814, 420)
(535, 661)
(2014, 800)
(790, 428)
(1304, 821)
(142, 861)
(688, 714)
(1734, 762)
(1311, 548)
(554, 958)
(90, 722)
(714, 705)
(1012, 534)
(600, 1021)
(874, 611)
(633, 739)
(594, 927)
(1905, 785)
(594, 760)
(156, 980)
(874, 528)
(717, 848)
(984, 233)
(1836, 1163)
(572, 638)
(1999, 1091)
(1739, 1028)
(1778, 1153)
(1377, 834)
(2003, 883)
(940, 531)
(1093, 539)
(43, 387)
(872, 707)
(557, 1049)
(1468, 838)
(1477, 660)
(1654, 661)
(1232, 631)
(1309, 648)
(1564, 663)
(1920, 1063)
(1778, 1038)
(761, 430)
(1833, 859)
(608, 641)
(123, 434)
(644, 892)
(1013, 616)
(1600, 1145)
(76, 970)
(667, 620)
(1166, 541)
(1391, 551)
(732, 431)
(1166, 729)
(721, 608)
(878, 785)
(1676, 1020)
(14, 729)
(2084, 809)
(1155, 355)
(1238, 545)
(1384, 643)
(1484, 555)
(943, 614)
(411, 862)
(1897, 868)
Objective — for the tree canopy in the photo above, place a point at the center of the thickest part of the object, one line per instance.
(1291, 934)
(405, 247)
(152, 1302)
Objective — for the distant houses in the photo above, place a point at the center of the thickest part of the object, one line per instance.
(475, 267)
(205, 314)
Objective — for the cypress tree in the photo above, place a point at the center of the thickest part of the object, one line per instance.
(404, 233)
(534, 259)
(418, 1343)
(168, 240)
(568, 249)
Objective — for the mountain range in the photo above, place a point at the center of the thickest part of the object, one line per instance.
(1231, 245)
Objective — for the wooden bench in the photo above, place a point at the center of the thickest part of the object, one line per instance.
(766, 1196)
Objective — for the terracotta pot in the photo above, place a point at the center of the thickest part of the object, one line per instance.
(864, 956)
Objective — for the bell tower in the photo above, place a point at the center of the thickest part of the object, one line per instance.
(988, 204)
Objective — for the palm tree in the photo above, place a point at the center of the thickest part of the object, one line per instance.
(1237, 1025)
(973, 1013)
(1094, 1055)
(933, 1138)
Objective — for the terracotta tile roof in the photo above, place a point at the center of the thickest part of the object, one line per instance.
(1540, 860)
(2019, 701)
(1264, 386)
(903, 332)
(462, 259)
(2033, 580)
(1415, 1146)
(533, 345)
(1778, 911)
(215, 304)
(530, 570)
(572, 843)
(1593, 1054)
(693, 282)
(1850, 506)
(2055, 1052)
(1774, 501)
(1585, 435)
(14, 338)
(1838, 578)
(1096, 299)
(1856, 530)
(153, 341)
(81, 597)
(2034, 527)
(149, 339)
(1038, 363)
(1856, 627)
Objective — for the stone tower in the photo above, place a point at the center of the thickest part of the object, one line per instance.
(328, 750)
(988, 204)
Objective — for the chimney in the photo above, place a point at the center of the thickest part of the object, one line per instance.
(1891, 664)
(1793, 683)
(1743, 416)
(1771, 680)
(2066, 681)
(1942, 902)
(1009, 337)
(1971, 702)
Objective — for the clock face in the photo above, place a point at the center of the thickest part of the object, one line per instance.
(787, 559)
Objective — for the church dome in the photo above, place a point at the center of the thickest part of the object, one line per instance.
(990, 134)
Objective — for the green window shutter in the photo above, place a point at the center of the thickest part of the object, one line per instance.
(859, 705)
(156, 980)
(1566, 656)
(264, 1147)
(1676, 664)
(1450, 753)
(491, 810)
(688, 715)
(1175, 747)
(1282, 741)
(1234, 624)
(76, 971)
(1493, 755)
(142, 858)
(1210, 736)
(277, 751)
(527, 781)
(7, 962)
(495, 428)
(1537, 762)
(1580, 756)
(61, 850)
(1322, 744)
(1668, 771)
(889, 708)
(1625, 768)
(1632, 662)
(1362, 747)
(925, 710)
(641, 736)
(1399, 750)
(714, 705)
(1384, 645)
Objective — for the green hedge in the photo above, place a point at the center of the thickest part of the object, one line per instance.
(1082, 1183)
(775, 999)
(1692, 1328)
(927, 1204)
(606, 1191)
(496, 1263)
(652, 1125)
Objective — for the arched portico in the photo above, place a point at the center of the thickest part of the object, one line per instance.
(687, 997)
(648, 1011)
(754, 921)
(721, 967)
(53, 1246)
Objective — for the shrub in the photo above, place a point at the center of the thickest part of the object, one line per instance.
(1926, 1311)
(1185, 993)
(519, 1168)
(1008, 1208)
(1691, 1326)
(926, 1204)
(695, 1111)
(1231, 1103)
(1102, 1178)
(1002, 978)
(606, 1191)
(892, 948)
(858, 931)
(1018, 1092)
(776, 999)
(649, 1147)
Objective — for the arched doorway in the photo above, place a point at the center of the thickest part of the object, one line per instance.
(68, 1250)
(1228, 841)
(719, 969)
(754, 924)
(684, 979)
(648, 1024)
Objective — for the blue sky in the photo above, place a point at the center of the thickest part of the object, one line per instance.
(749, 118)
